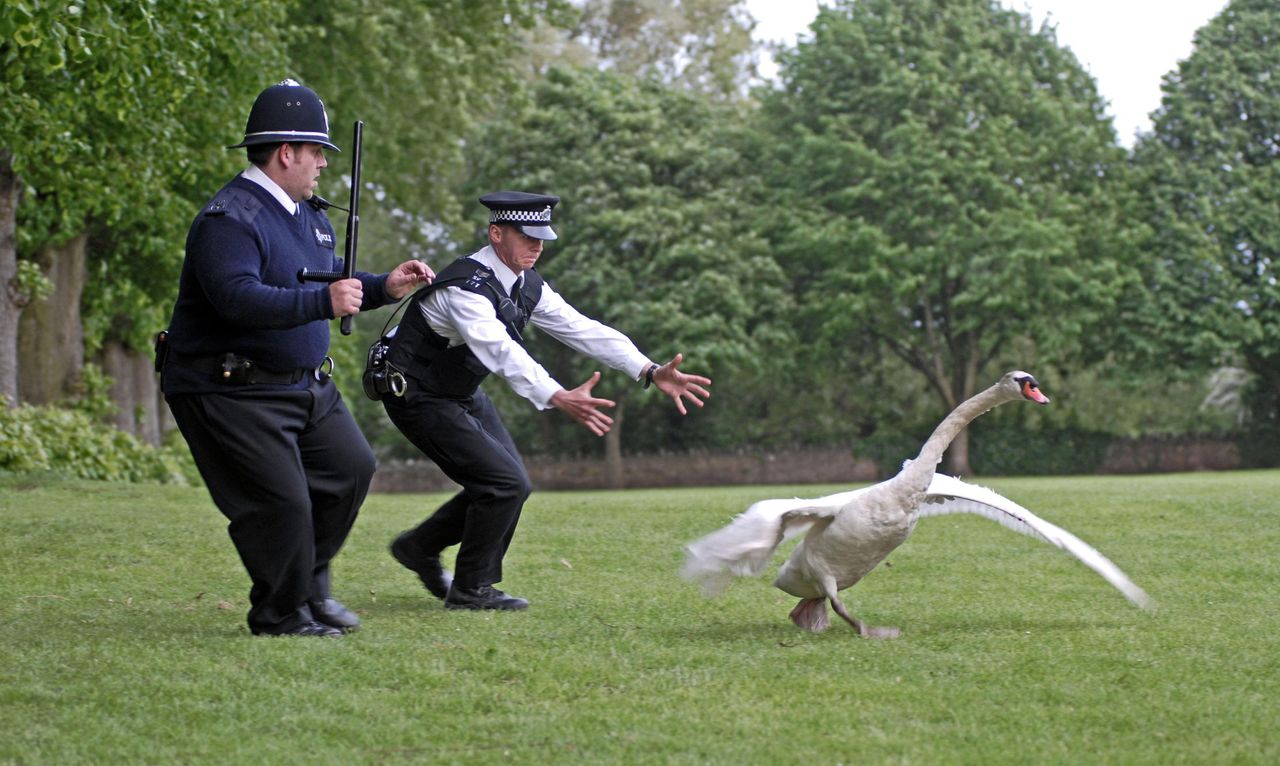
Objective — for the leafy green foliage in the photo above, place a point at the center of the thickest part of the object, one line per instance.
(1213, 187)
(933, 194)
(419, 75)
(67, 442)
(702, 46)
(105, 99)
(656, 225)
(115, 112)
(31, 284)
(944, 190)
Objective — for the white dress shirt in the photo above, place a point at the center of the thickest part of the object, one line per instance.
(258, 176)
(466, 317)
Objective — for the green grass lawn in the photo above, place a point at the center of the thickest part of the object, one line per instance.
(122, 639)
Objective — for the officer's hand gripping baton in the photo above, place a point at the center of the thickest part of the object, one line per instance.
(353, 227)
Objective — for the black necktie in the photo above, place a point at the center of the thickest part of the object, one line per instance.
(515, 290)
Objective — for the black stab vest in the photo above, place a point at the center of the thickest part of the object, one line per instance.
(425, 355)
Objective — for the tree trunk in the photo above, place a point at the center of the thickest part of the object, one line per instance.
(50, 333)
(11, 303)
(962, 386)
(135, 392)
(957, 459)
(613, 472)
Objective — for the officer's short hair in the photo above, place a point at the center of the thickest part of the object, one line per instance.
(260, 154)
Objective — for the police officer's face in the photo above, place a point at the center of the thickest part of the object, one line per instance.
(517, 250)
(302, 165)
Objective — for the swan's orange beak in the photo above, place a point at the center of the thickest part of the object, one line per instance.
(1032, 391)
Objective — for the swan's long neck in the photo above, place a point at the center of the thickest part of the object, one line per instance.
(922, 468)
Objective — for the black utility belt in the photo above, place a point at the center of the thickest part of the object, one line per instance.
(236, 370)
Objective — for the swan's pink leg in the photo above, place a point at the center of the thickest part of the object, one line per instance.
(864, 630)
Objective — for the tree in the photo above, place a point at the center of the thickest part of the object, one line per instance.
(655, 225)
(117, 118)
(1213, 184)
(703, 46)
(420, 75)
(944, 180)
(112, 109)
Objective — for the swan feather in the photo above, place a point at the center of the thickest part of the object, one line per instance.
(947, 494)
(744, 547)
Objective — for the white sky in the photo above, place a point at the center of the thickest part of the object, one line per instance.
(1127, 45)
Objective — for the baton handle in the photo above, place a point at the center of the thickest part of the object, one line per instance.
(307, 275)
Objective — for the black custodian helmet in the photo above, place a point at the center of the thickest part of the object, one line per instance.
(285, 113)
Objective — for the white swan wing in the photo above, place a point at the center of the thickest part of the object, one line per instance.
(947, 494)
(744, 547)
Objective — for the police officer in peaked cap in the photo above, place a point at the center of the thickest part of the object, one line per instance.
(245, 369)
(465, 326)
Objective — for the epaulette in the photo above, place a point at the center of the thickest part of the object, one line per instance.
(216, 207)
(478, 278)
(236, 203)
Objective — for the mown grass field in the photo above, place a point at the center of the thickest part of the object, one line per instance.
(122, 639)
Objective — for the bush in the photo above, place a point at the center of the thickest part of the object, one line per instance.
(999, 449)
(1259, 446)
(71, 443)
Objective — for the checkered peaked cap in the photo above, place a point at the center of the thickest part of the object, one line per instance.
(287, 112)
(531, 213)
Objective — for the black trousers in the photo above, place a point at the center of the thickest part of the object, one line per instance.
(289, 469)
(468, 440)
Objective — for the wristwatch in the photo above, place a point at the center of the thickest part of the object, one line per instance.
(648, 375)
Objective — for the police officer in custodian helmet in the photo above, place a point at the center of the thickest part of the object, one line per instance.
(458, 330)
(246, 371)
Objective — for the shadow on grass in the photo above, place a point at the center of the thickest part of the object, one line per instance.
(781, 630)
(732, 632)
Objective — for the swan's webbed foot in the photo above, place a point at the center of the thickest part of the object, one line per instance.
(864, 630)
(878, 631)
(811, 614)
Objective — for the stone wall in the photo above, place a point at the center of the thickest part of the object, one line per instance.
(1170, 455)
(833, 466)
(829, 466)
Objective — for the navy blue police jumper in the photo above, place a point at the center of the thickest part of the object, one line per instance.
(283, 459)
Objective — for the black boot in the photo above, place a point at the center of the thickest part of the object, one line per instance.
(310, 628)
(326, 609)
(483, 597)
(436, 578)
(330, 611)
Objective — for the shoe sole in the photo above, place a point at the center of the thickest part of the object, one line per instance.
(337, 634)
(478, 608)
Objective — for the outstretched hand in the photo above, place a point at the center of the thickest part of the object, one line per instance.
(680, 385)
(579, 404)
(404, 278)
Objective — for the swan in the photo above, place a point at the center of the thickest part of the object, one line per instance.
(847, 534)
